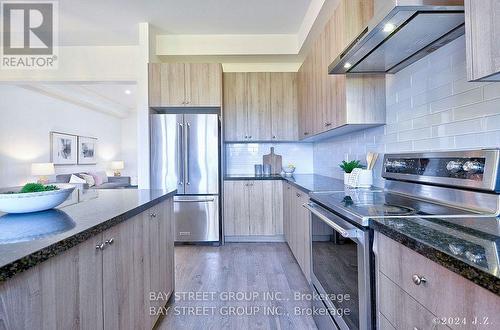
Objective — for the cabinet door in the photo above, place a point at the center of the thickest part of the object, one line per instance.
(261, 207)
(287, 210)
(284, 106)
(235, 106)
(203, 84)
(306, 114)
(125, 275)
(482, 28)
(159, 245)
(64, 292)
(305, 235)
(259, 106)
(236, 212)
(319, 73)
(167, 85)
(277, 207)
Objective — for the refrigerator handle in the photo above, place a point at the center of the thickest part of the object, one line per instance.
(188, 126)
(181, 156)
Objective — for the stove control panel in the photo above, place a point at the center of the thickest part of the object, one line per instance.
(476, 169)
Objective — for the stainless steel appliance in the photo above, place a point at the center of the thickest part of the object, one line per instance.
(185, 152)
(400, 33)
(429, 188)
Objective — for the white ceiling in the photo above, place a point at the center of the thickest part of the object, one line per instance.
(114, 22)
(118, 100)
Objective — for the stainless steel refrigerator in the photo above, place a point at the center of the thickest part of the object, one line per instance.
(185, 153)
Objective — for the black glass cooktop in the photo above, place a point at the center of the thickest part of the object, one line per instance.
(364, 204)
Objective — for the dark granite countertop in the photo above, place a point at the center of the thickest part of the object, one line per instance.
(306, 182)
(29, 239)
(466, 246)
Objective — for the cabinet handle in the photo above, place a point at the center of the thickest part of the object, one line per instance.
(306, 133)
(152, 215)
(328, 124)
(418, 279)
(246, 136)
(109, 241)
(100, 246)
(274, 136)
(249, 136)
(298, 195)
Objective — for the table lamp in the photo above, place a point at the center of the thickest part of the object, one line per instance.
(117, 165)
(42, 170)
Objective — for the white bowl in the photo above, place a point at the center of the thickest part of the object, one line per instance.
(36, 201)
(288, 170)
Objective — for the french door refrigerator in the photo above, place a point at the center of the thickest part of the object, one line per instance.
(185, 153)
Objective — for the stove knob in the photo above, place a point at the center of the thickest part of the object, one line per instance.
(475, 258)
(473, 167)
(456, 249)
(454, 166)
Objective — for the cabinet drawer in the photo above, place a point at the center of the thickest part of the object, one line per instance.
(401, 310)
(444, 293)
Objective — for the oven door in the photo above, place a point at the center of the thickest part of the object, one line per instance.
(341, 270)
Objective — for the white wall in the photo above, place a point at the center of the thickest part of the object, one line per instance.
(129, 146)
(27, 117)
(430, 106)
(241, 157)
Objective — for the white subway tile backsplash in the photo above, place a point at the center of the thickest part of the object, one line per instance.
(241, 157)
(469, 97)
(464, 114)
(457, 128)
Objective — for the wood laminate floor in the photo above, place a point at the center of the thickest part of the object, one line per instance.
(238, 286)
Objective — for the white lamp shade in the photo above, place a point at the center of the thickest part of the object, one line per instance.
(42, 169)
(117, 165)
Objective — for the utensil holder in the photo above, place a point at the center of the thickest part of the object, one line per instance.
(365, 179)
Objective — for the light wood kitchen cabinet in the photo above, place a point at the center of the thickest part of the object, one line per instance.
(482, 34)
(64, 292)
(284, 115)
(297, 227)
(185, 85)
(260, 106)
(102, 283)
(443, 294)
(339, 103)
(235, 106)
(249, 210)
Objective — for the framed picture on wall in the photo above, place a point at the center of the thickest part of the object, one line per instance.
(64, 150)
(87, 150)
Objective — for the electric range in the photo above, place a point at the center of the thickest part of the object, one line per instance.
(445, 192)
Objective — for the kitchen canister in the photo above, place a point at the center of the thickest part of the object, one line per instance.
(267, 169)
(258, 169)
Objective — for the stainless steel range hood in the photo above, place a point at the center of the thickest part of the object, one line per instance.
(401, 33)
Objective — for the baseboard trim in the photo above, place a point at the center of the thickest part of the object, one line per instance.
(255, 239)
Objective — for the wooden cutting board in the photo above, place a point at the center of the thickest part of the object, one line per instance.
(274, 160)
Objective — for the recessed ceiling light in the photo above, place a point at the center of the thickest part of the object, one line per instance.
(389, 27)
(128, 92)
(347, 65)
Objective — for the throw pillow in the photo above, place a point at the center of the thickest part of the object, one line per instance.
(99, 177)
(76, 179)
(88, 178)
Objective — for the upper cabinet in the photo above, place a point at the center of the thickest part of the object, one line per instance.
(482, 31)
(185, 85)
(260, 106)
(339, 103)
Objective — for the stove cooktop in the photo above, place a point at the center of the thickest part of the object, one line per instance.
(360, 205)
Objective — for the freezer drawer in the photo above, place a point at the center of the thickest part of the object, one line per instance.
(196, 218)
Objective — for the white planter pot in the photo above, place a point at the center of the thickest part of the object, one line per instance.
(346, 178)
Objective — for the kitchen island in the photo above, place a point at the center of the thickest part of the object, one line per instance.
(91, 263)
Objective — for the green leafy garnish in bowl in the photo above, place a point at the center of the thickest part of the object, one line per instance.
(36, 187)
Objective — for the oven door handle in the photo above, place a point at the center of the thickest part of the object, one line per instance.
(345, 232)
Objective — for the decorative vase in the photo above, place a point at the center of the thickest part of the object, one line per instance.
(346, 178)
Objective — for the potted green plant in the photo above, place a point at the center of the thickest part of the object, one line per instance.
(348, 167)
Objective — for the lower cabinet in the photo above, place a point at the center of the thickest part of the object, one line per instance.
(297, 228)
(102, 283)
(253, 210)
(414, 292)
